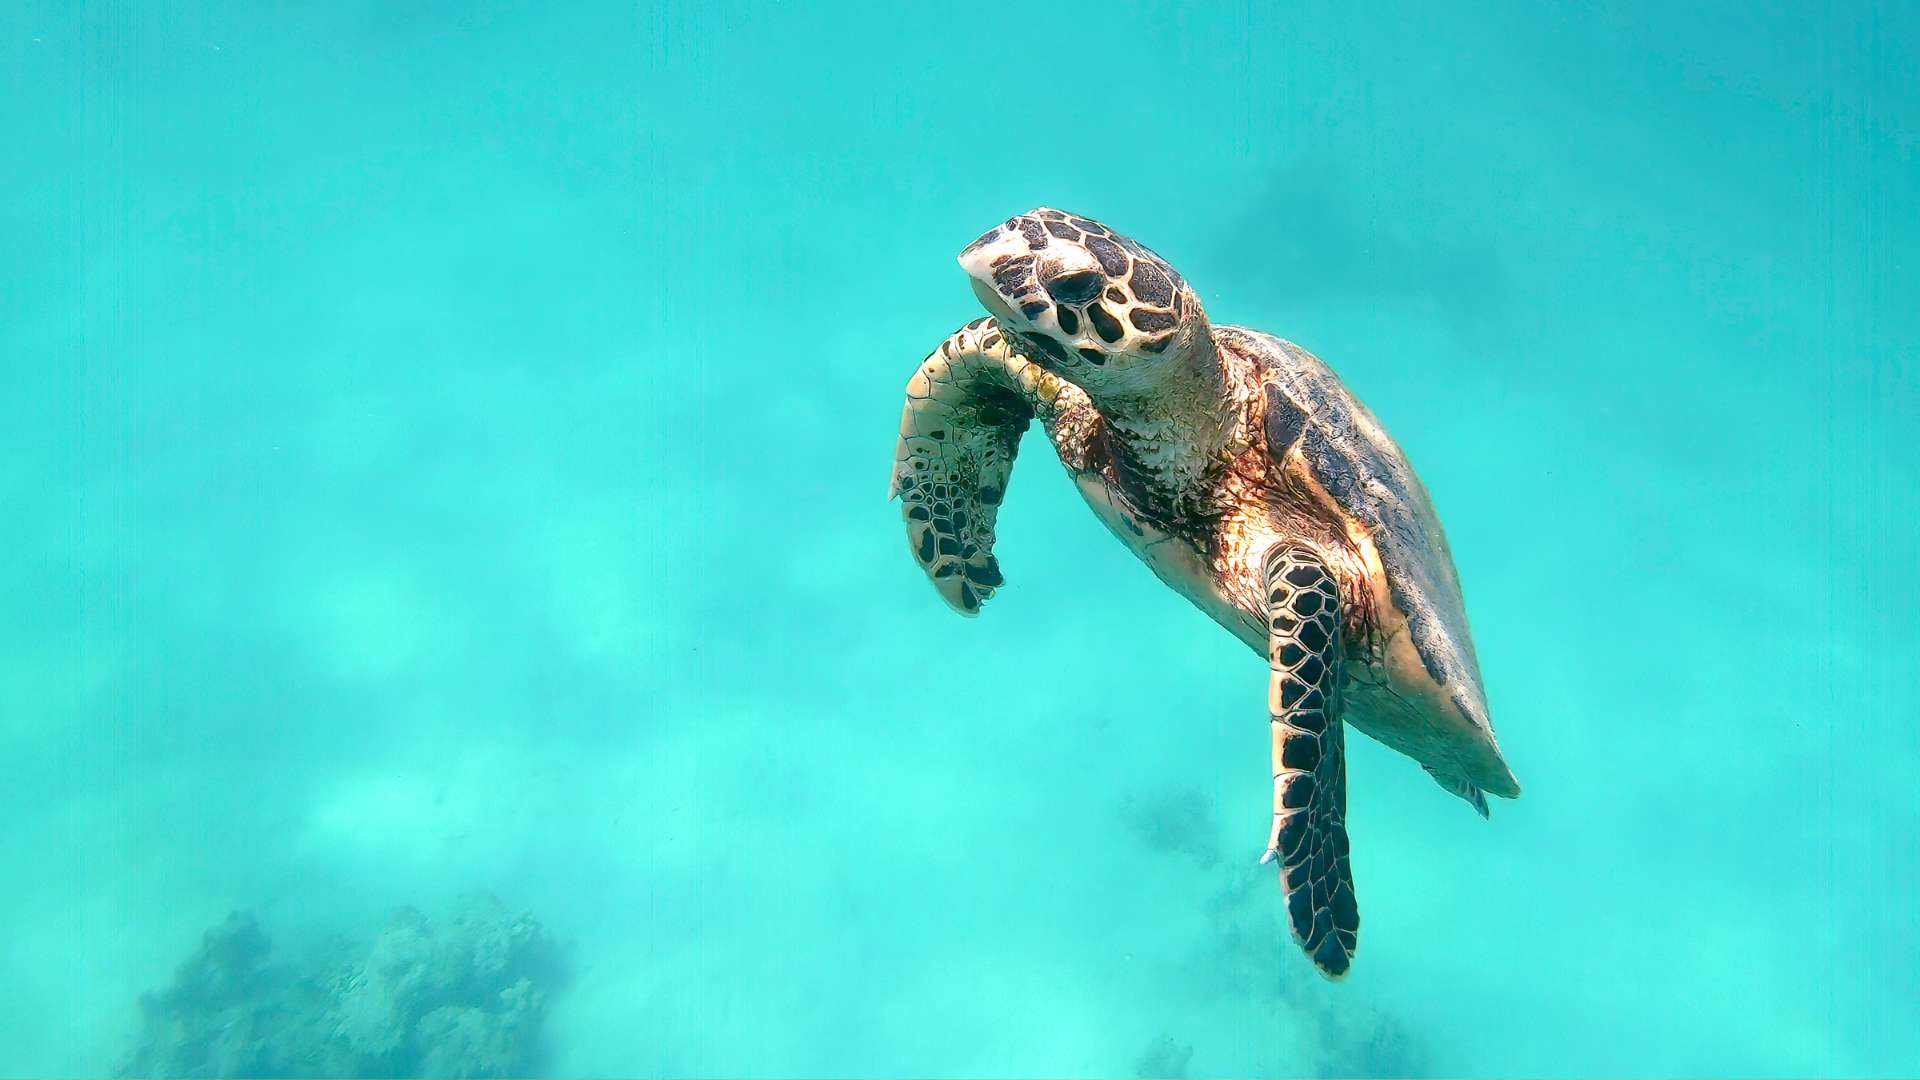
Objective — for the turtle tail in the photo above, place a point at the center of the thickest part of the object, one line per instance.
(1462, 787)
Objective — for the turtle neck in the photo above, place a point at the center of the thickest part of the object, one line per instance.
(1170, 428)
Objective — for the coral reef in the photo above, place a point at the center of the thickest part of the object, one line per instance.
(1164, 1059)
(1175, 821)
(1356, 1040)
(1237, 963)
(465, 998)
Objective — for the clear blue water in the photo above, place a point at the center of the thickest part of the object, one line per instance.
(444, 448)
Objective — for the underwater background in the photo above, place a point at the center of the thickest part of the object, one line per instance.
(443, 454)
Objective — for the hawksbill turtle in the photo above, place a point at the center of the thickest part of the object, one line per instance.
(1247, 476)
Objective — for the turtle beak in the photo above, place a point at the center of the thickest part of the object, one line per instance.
(998, 243)
(978, 260)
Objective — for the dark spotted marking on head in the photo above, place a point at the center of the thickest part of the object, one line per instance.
(926, 546)
(990, 496)
(1033, 310)
(1064, 231)
(1068, 320)
(1034, 232)
(986, 238)
(1013, 274)
(1112, 259)
(1157, 345)
(1143, 251)
(1150, 285)
(1092, 228)
(1054, 215)
(1148, 319)
(1104, 323)
(1094, 357)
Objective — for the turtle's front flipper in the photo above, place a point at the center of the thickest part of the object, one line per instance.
(1309, 758)
(967, 407)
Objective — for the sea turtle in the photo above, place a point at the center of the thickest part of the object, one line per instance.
(1249, 478)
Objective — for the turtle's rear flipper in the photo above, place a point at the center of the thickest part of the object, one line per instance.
(1309, 757)
(1461, 787)
(967, 407)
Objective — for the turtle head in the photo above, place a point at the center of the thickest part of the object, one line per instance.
(1093, 306)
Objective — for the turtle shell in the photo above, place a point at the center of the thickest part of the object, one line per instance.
(1359, 465)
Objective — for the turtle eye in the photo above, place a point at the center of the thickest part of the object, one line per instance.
(1075, 287)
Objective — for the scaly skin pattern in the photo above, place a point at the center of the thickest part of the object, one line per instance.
(1304, 702)
(967, 406)
(1248, 479)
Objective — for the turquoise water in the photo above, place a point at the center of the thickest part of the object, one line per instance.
(444, 449)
